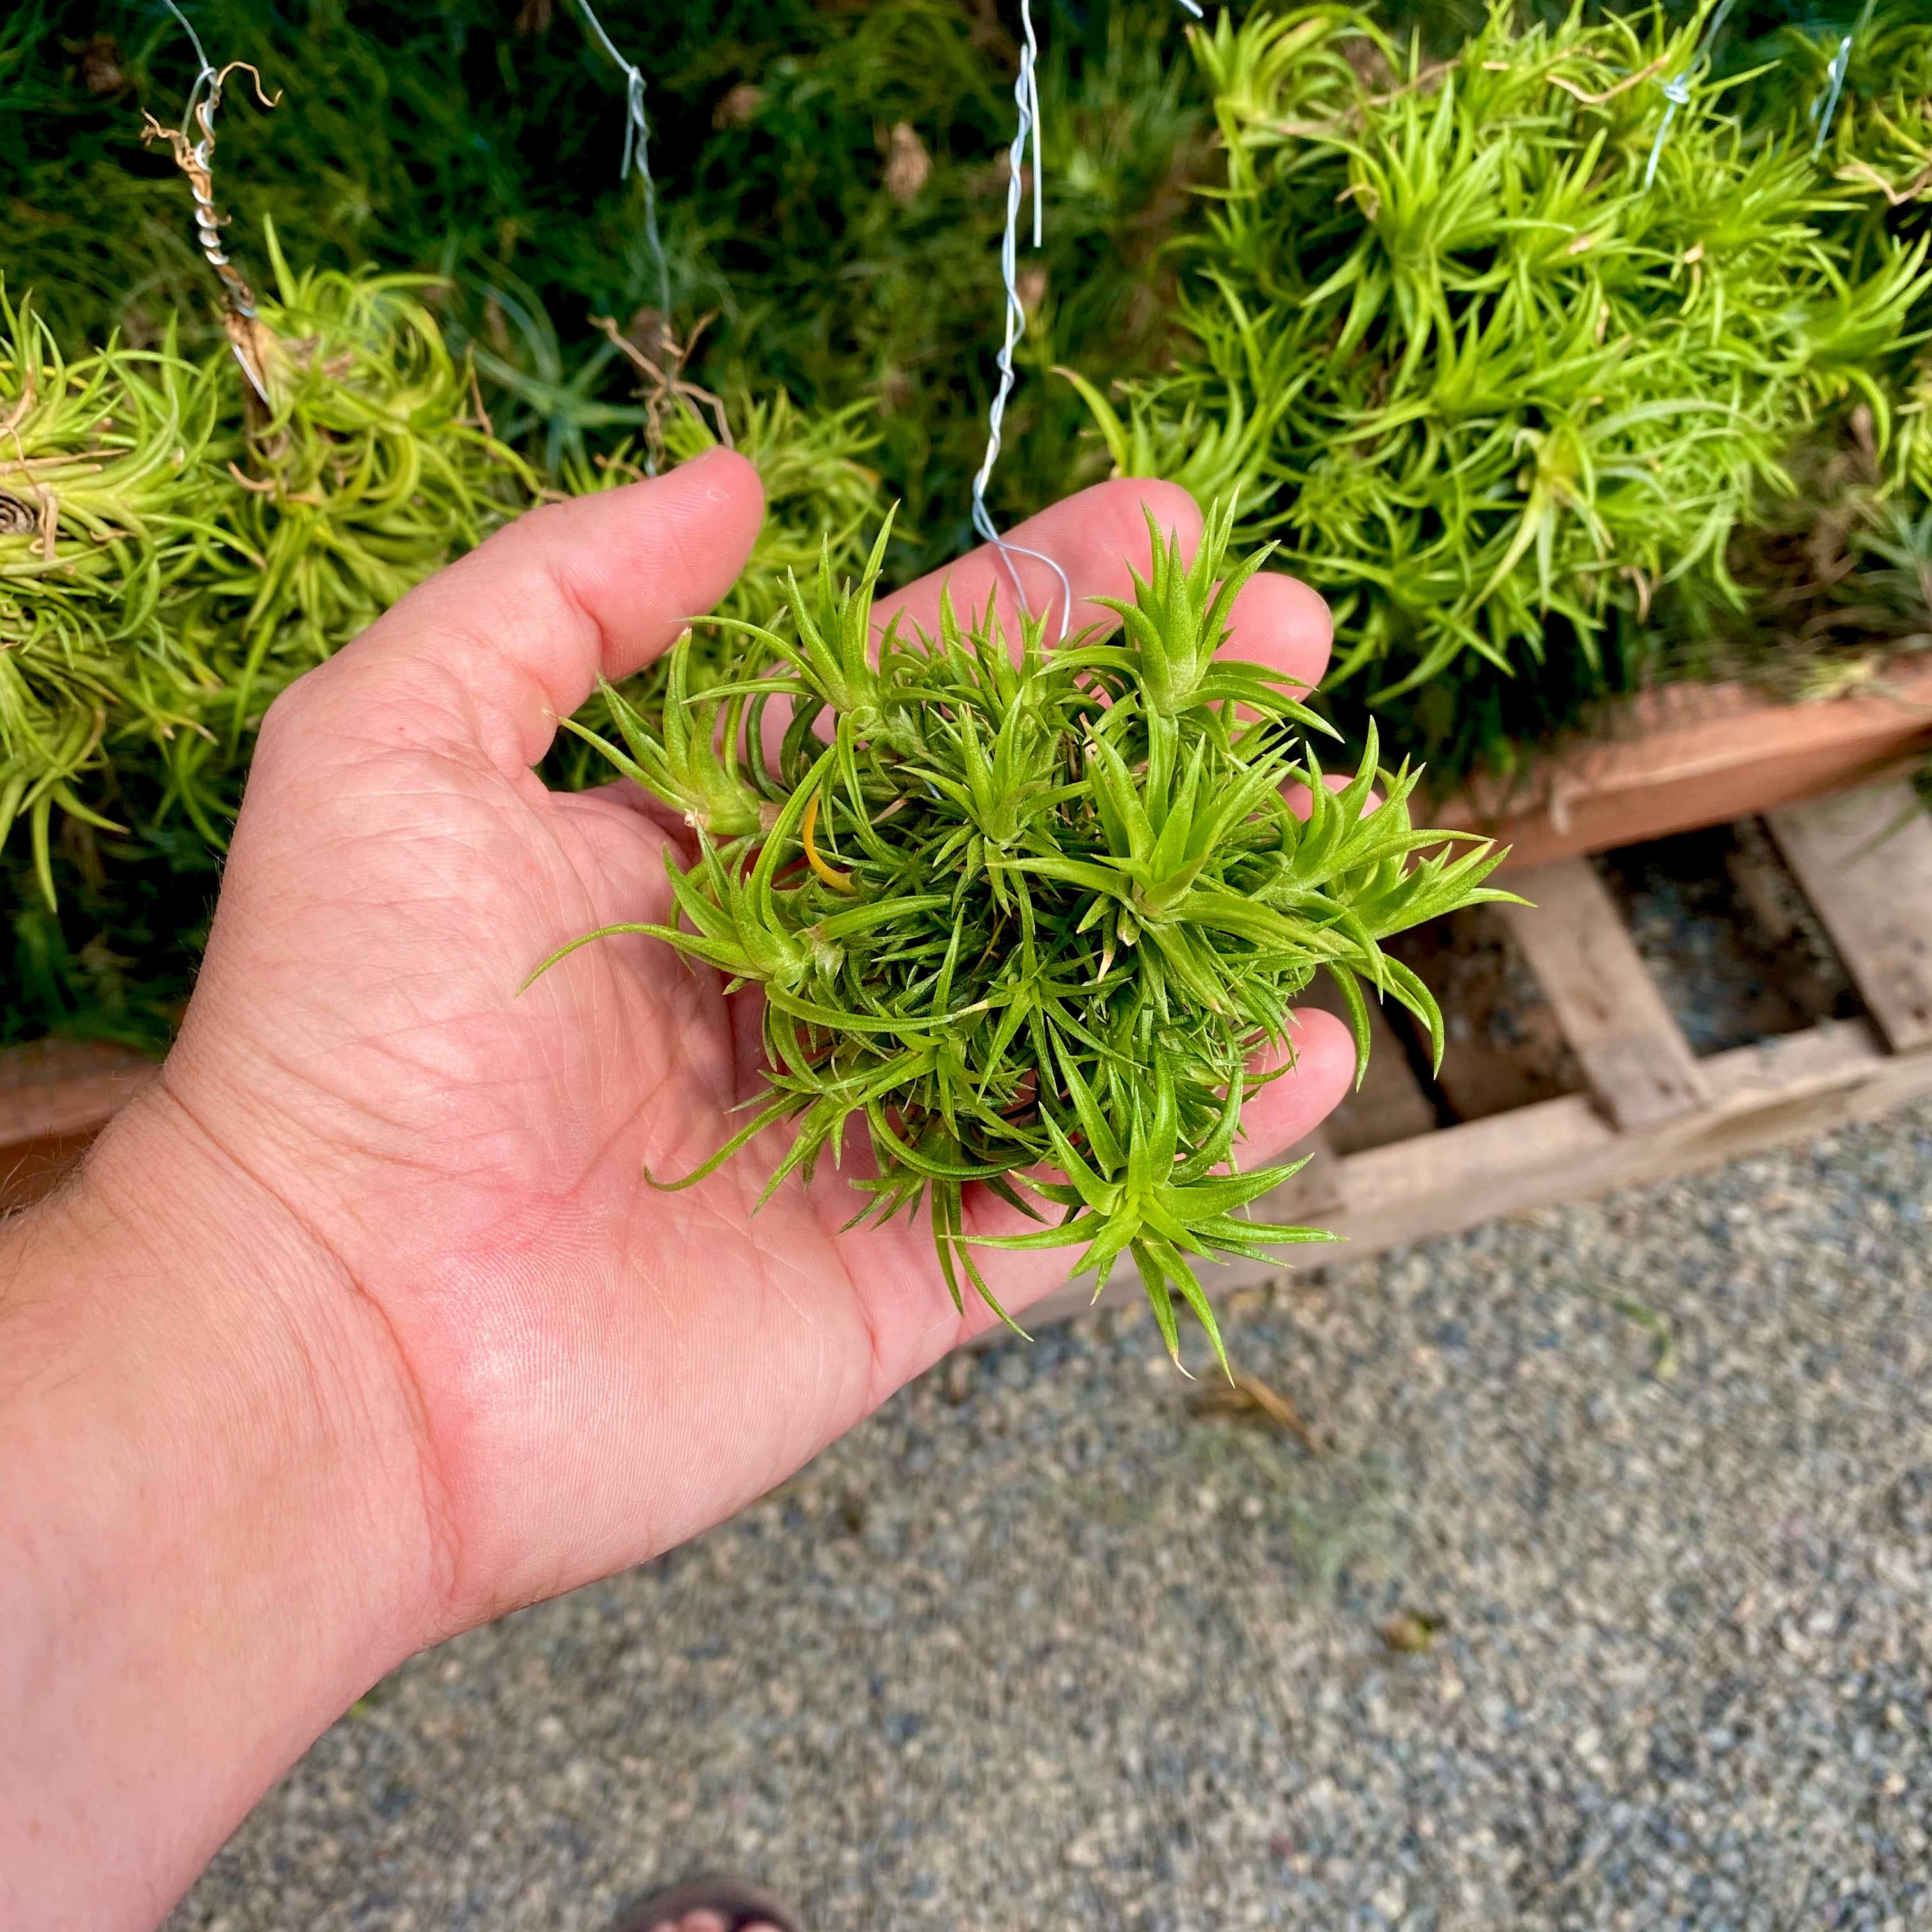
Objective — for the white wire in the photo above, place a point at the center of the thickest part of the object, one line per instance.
(1026, 99)
(1677, 90)
(637, 149)
(194, 41)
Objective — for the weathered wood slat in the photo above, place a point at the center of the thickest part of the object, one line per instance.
(55, 1095)
(1785, 1089)
(1788, 1089)
(1687, 756)
(53, 1089)
(1316, 1191)
(1640, 1068)
(1864, 858)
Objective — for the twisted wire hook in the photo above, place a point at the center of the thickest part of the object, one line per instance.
(1822, 110)
(203, 103)
(637, 152)
(1026, 99)
(196, 160)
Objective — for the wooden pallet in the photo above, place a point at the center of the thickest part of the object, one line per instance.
(1689, 755)
(1649, 1108)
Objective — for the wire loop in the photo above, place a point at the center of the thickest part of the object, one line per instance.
(1026, 99)
(1822, 110)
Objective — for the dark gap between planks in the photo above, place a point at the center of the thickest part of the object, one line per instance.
(1736, 948)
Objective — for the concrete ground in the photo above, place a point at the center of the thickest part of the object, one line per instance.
(1608, 1603)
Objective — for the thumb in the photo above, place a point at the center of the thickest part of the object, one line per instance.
(495, 649)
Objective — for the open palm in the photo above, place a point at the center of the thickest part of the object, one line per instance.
(594, 1368)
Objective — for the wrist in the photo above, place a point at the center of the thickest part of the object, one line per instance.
(214, 1530)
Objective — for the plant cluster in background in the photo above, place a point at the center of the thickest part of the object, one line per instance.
(178, 545)
(1508, 346)
(831, 191)
(831, 188)
(1531, 420)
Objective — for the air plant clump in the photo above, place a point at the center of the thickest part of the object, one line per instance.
(1497, 345)
(1879, 142)
(365, 463)
(819, 497)
(1838, 572)
(369, 463)
(1040, 911)
(1879, 149)
(104, 512)
(174, 549)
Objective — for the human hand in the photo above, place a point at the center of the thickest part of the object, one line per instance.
(525, 1367)
(599, 1369)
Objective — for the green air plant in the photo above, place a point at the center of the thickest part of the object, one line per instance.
(830, 188)
(1035, 909)
(181, 548)
(819, 499)
(1834, 574)
(368, 464)
(104, 511)
(1498, 344)
(1878, 144)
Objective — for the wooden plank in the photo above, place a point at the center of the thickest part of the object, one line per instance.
(1639, 1067)
(1692, 755)
(30, 1172)
(1864, 859)
(1788, 1089)
(56, 1089)
(1804, 1083)
(1316, 1190)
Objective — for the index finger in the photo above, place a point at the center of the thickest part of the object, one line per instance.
(1097, 537)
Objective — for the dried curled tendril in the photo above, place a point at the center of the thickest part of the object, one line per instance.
(1032, 913)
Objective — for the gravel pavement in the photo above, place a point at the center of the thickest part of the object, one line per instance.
(1606, 1603)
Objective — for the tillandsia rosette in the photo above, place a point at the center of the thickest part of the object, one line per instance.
(104, 512)
(369, 463)
(1030, 916)
(1499, 345)
(175, 548)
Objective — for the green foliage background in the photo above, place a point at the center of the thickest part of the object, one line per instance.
(480, 144)
(830, 190)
